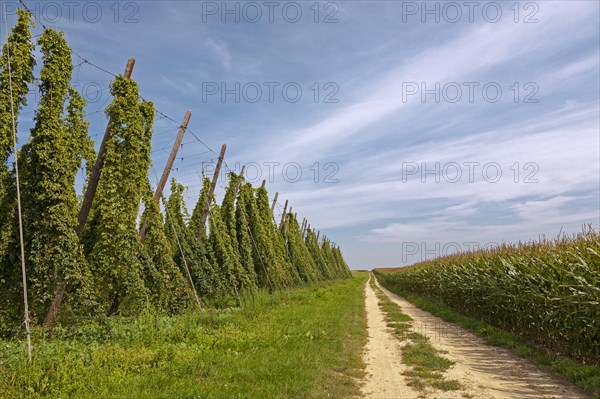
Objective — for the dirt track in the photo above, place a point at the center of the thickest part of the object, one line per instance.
(383, 359)
(486, 372)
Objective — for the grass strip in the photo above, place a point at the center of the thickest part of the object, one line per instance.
(300, 343)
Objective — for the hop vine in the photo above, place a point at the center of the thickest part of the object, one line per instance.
(15, 79)
(111, 236)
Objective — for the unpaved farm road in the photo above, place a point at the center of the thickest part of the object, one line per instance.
(486, 372)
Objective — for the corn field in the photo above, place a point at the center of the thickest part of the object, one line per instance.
(547, 291)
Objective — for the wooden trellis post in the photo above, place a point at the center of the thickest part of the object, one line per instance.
(274, 203)
(165, 176)
(237, 186)
(211, 193)
(286, 224)
(283, 214)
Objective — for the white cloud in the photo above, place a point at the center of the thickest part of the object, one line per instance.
(566, 160)
(537, 218)
(482, 47)
(220, 50)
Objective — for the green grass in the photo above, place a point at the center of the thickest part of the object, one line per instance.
(584, 375)
(300, 343)
(427, 364)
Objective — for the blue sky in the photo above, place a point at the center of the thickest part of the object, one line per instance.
(414, 138)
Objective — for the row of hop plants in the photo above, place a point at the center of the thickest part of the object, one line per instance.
(547, 291)
(109, 269)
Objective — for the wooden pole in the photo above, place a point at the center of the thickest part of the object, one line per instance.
(237, 186)
(264, 184)
(286, 225)
(92, 185)
(283, 214)
(274, 202)
(165, 176)
(211, 193)
(318, 233)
